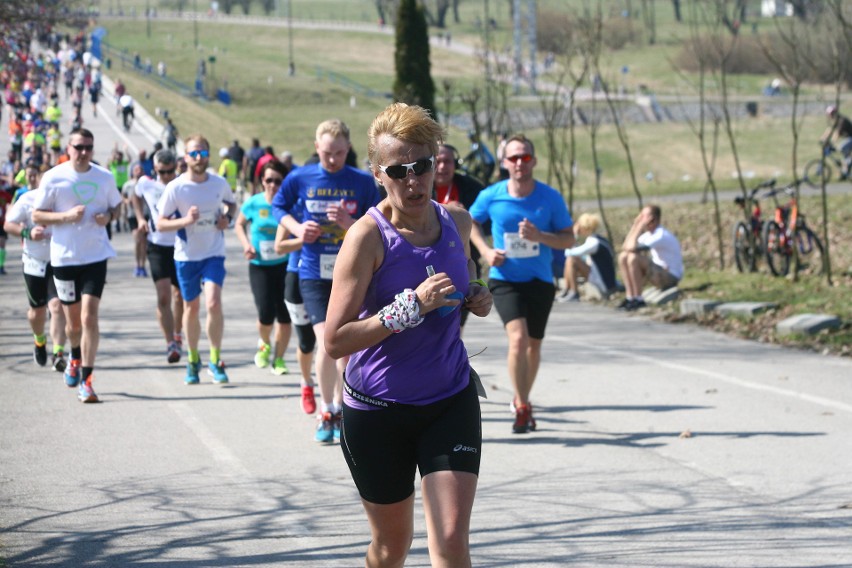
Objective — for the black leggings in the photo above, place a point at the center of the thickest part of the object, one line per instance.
(267, 287)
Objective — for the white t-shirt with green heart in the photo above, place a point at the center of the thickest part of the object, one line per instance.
(63, 188)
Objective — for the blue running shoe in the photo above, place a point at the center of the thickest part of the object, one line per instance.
(337, 424)
(72, 373)
(217, 371)
(325, 429)
(86, 392)
(192, 373)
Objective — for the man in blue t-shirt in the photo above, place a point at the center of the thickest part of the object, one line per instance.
(529, 219)
(318, 203)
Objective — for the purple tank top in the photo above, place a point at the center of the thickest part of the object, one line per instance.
(429, 362)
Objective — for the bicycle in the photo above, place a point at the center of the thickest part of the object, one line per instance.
(787, 230)
(748, 237)
(814, 169)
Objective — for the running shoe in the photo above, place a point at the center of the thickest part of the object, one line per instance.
(40, 354)
(568, 296)
(86, 393)
(337, 424)
(59, 363)
(72, 373)
(173, 352)
(261, 358)
(279, 367)
(2, 270)
(217, 371)
(532, 418)
(523, 418)
(637, 305)
(309, 401)
(325, 428)
(192, 373)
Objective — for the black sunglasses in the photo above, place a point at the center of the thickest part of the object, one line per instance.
(83, 147)
(419, 168)
(166, 172)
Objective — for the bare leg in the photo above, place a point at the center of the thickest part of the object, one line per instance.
(215, 318)
(392, 528)
(517, 360)
(165, 317)
(91, 331)
(57, 322)
(305, 360)
(191, 322)
(447, 502)
(177, 307)
(283, 331)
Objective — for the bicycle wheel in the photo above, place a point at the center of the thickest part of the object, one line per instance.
(813, 173)
(745, 253)
(775, 249)
(811, 253)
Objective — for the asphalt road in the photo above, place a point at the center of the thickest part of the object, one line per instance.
(658, 445)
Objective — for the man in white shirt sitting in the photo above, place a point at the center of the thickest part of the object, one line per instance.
(663, 268)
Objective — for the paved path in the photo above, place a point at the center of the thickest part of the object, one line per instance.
(160, 474)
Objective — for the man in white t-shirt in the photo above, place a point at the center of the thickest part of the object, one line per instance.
(79, 199)
(161, 251)
(199, 205)
(663, 268)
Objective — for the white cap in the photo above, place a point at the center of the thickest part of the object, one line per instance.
(223, 152)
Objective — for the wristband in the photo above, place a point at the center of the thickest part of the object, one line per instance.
(479, 282)
(25, 234)
(403, 313)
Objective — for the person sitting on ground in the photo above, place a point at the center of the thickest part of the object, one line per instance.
(840, 129)
(664, 267)
(593, 260)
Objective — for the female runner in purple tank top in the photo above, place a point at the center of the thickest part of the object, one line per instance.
(401, 279)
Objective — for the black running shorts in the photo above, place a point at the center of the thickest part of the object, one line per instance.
(532, 300)
(385, 447)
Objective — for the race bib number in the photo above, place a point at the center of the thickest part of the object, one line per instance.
(66, 290)
(205, 224)
(267, 251)
(33, 266)
(516, 247)
(327, 265)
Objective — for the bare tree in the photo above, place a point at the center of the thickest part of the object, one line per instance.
(649, 17)
(709, 148)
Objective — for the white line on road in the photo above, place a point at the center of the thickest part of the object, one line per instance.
(709, 374)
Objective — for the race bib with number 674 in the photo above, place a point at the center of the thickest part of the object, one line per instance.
(517, 247)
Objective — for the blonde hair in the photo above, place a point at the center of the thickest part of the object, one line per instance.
(334, 127)
(408, 123)
(588, 223)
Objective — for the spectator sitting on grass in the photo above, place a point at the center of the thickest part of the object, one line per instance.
(593, 260)
(664, 267)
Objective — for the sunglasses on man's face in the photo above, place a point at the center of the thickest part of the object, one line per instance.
(83, 147)
(419, 168)
(522, 157)
(166, 172)
(195, 154)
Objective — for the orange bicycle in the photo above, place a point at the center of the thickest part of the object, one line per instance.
(788, 230)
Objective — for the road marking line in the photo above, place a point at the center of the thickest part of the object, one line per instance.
(710, 374)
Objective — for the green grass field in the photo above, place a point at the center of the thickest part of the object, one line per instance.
(283, 111)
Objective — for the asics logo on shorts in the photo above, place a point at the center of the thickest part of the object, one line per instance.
(463, 448)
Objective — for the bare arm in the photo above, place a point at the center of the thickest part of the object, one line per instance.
(559, 240)
(493, 257)
(73, 215)
(285, 243)
(639, 227)
(240, 230)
